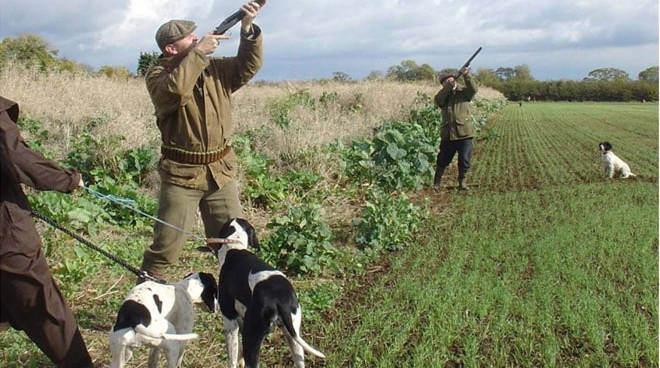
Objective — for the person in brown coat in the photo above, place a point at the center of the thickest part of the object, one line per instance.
(191, 93)
(29, 298)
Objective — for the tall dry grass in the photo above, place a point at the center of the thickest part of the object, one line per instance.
(65, 102)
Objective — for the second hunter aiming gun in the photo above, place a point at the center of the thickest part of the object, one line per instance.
(233, 19)
(467, 63)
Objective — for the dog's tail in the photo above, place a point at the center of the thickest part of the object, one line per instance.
(285, 316)
(166, 336)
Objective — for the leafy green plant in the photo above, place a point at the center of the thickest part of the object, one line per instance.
(74, 212)
(328, 98)
(388, 222)
(139, 162)
(265, 189)
(300, 242)
(280, 109)
(400, 155)
(36, 136)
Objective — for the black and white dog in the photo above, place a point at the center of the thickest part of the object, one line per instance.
(253, 296)
(611, 164)
(161, 316)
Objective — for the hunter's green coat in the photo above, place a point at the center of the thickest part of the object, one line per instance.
(192, 99)
(455, 105)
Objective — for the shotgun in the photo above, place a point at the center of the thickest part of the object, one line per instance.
(467, 63)
(231, 20)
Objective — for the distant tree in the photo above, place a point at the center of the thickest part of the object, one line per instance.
(374, 75)
(649, 74)
(28, 49)
(425, 72)
(340, 77)
(505, 73)
(608, 75)
(115, 72)
(487, 77)
(522, 73)
(408, 70)
(146, 61)
(404, 71)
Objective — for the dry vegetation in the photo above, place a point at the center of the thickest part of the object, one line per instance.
(64, 101)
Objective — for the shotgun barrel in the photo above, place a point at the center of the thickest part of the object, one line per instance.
(467, 63)
(231, 20)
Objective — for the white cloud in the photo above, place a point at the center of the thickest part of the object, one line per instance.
(318, 36)
(144, 16)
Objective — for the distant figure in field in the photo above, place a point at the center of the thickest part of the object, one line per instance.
(457, 129)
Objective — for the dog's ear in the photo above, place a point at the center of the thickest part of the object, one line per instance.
(253, 241)
(226, 230)
(208, 280)
(210, 292)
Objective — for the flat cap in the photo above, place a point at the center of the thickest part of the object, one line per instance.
(173, 31)
(445, 76)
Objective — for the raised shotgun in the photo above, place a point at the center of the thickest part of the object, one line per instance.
(467, 63)
(233, 19)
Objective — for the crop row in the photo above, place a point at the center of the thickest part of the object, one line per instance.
(539, 145)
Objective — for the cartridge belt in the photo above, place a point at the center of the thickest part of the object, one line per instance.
(192, 157)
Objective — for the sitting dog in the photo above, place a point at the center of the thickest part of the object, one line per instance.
(253, 296)
(611, 164)
(161, 316)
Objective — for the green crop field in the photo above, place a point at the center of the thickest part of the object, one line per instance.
(544, 264)
(545, 144)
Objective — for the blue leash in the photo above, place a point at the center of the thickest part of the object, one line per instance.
(130, 204)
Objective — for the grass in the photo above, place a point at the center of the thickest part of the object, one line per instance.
(517, 279)
(543, 144)
(544, 263)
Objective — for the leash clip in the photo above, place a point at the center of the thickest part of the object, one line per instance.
(146, 276)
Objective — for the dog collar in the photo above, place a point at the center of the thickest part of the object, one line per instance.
(221, 241)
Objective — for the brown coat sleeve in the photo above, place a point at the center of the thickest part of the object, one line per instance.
(30, 167)
(234, 72)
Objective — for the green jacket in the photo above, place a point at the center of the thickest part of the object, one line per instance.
(192, 99)
(456, 120)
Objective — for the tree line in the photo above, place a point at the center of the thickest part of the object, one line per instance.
(516, 83)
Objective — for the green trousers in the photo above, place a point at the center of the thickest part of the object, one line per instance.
(178, 206)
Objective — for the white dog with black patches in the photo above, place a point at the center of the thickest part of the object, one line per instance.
(161, 316)
(253, 296)
(611, 164)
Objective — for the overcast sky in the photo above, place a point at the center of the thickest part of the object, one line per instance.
(557, 39)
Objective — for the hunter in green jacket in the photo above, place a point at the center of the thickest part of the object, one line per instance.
(191, 93)
(457, 129)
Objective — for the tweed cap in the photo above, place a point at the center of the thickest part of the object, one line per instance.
(173, 31)
(445, 76)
